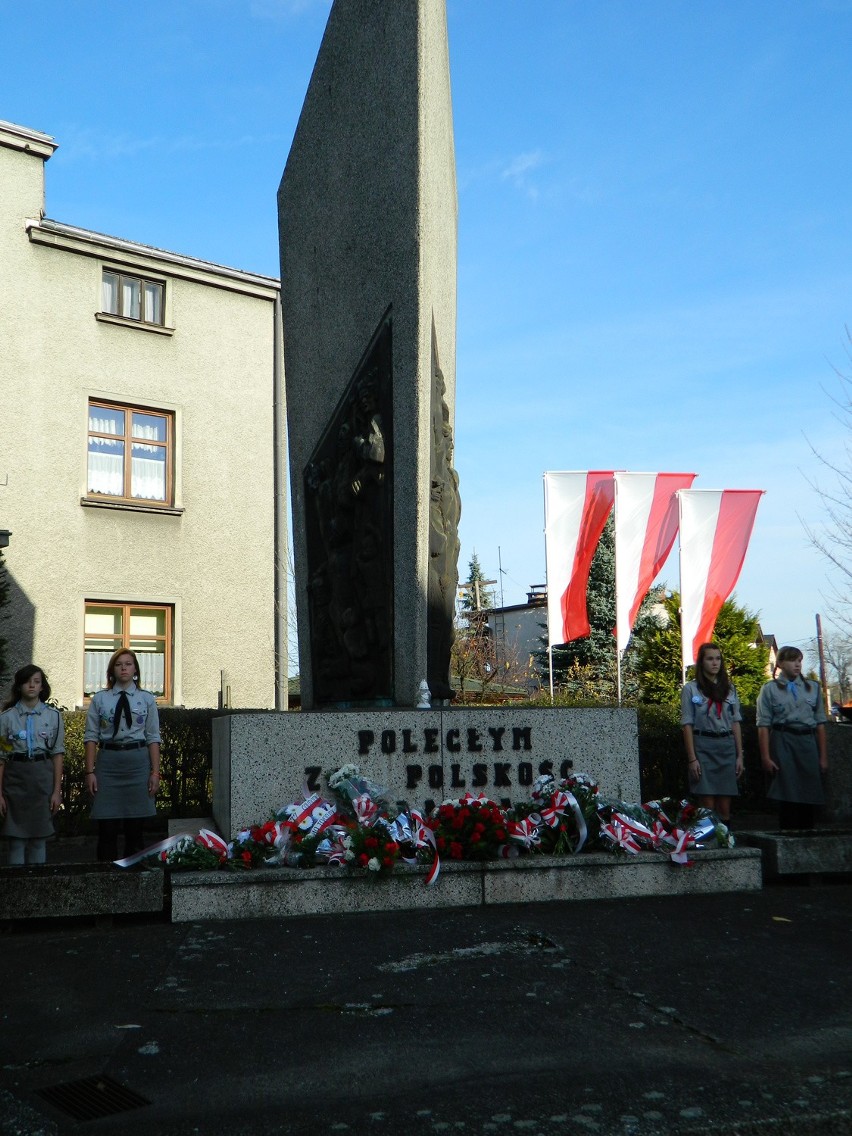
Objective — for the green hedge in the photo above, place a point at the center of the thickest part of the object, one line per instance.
(662, 757)
(185, 767)
(186, 764)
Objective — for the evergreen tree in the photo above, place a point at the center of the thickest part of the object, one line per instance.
(475, 591)
(737, 632)
(586, 669)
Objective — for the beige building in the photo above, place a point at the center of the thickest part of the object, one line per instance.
(142, 457)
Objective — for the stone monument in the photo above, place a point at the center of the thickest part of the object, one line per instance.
(367, 211)
(368, 224)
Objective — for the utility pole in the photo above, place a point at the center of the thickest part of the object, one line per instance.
(822, 675)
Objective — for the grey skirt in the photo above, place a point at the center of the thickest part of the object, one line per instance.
(718, 760)
(27, 787)
(798, 778)
(122, 776)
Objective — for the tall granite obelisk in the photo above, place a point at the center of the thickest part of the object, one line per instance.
(368, 224)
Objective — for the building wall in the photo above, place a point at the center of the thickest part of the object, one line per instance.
(211, 555)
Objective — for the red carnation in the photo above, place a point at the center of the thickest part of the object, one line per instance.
(387, 861)
(456, 850)
(363, 859)
(247, 857)
(500, 834)
(441, 843)
(371, 842)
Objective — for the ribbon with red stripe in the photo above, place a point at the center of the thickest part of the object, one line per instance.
(526, 831)
(620, 836)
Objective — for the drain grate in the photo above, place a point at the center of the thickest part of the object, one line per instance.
(91, 1098)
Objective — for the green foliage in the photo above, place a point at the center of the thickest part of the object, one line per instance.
(476, 595)
(585, 670)
(662, 757)
(737, 632)
(185, 767)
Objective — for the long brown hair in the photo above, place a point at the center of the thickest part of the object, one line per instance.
(716, 691)
(24, 675)
(111, 667)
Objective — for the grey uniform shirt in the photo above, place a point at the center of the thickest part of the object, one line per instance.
(145, 724)
(777, 706)
(698, 711)
(40, 730)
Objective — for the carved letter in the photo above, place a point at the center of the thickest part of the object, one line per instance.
(436, 776)
(413, 773)
(497, 733)
(408, 746)
(388, 741)
(480, 775)
(365, 740)
(546, 767)
(473, 743)
(457, 782)
(521, 734)
(431, 745)
(565, 768)
(525, 776)
(501, 773)
(453, 743)
(312, 773)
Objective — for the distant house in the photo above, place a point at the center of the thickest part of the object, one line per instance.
(519, 632)
(142, 432)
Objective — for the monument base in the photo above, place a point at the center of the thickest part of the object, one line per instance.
(263, 761)
(819, 852)
(278, 893)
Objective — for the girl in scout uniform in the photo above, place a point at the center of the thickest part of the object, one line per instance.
(32, 745)
(710, 716)
(122, 743)
(791, 735)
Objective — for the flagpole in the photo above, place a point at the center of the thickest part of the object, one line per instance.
(547, 591)
(680, 588)
(615, 568)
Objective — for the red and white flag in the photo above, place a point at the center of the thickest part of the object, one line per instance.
(715, 528)
(646, 520)
(576, 506)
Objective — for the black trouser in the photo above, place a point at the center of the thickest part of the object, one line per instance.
(108, 831)
(793, 814)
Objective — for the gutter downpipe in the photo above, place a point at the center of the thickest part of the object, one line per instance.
(279, 427)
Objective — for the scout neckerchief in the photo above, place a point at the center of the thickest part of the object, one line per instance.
(122, 707)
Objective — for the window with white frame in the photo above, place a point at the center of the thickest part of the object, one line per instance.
(130, 453)
(145, 629)
(133, 297)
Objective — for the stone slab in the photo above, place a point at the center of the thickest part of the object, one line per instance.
(283, 892)
(55, 891)
(824, 851)
(262, 761)
(368, 224)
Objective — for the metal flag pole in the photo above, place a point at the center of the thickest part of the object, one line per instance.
(547, 591)
(680, 589)
(615, 568)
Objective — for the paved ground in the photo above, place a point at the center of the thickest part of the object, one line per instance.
(716, 1014)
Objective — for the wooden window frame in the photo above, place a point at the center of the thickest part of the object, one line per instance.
(126, 606)
(128, 440)
(141, 281)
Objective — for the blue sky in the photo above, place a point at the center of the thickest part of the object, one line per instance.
(654, 227)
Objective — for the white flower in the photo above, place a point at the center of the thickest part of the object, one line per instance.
(373, 864)
(345, 773)
(348, 854)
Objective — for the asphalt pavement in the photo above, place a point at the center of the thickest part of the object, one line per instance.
(722, 1014)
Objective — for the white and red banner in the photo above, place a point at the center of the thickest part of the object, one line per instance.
(646, 521)
(715, 528)
(576, 506)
